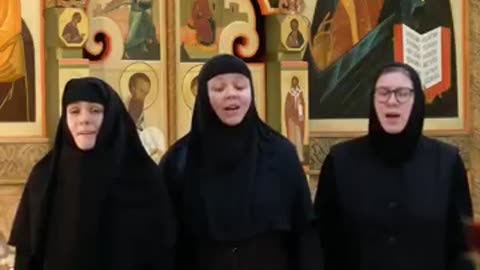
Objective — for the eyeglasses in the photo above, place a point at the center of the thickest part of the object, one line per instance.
(402, 94)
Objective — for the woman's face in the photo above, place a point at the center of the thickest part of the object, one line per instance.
(84, 120)
(393, 100)
(230, 96)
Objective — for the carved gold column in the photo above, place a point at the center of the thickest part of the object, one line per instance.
(474, 149)
(171, 69)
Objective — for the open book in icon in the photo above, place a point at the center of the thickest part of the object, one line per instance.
(428, 53)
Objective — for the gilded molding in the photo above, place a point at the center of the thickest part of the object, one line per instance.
(171, 69)
(17, 160)
(474, 146)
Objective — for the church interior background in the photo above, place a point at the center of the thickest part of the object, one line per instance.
(312, 62)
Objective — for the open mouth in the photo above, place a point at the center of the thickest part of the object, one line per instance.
(392, 115)
(232, 108)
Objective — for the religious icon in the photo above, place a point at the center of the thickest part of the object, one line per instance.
(295, 115)
(70, 33)
(203, 22)
(295, 38)
(153, 139)
(73, 27)
(138, 24)
(17, 68)
(139, 86)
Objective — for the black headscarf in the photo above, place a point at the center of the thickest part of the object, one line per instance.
(221, 167)
(397, 148)
(81, 194)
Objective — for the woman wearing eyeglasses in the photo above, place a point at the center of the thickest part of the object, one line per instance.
(394, 199)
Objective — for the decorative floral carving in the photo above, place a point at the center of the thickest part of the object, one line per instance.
(16, 160)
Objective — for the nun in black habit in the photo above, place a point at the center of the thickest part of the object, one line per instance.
(394, 199)
(95, 201)
(238, 186)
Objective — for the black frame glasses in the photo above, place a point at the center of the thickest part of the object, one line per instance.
(402, 94)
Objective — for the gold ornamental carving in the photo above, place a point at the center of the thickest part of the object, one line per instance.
(474, 145)
(17, 160)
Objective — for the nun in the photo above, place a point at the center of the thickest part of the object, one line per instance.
(240, 191)
(95, 201)
(394, 199)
